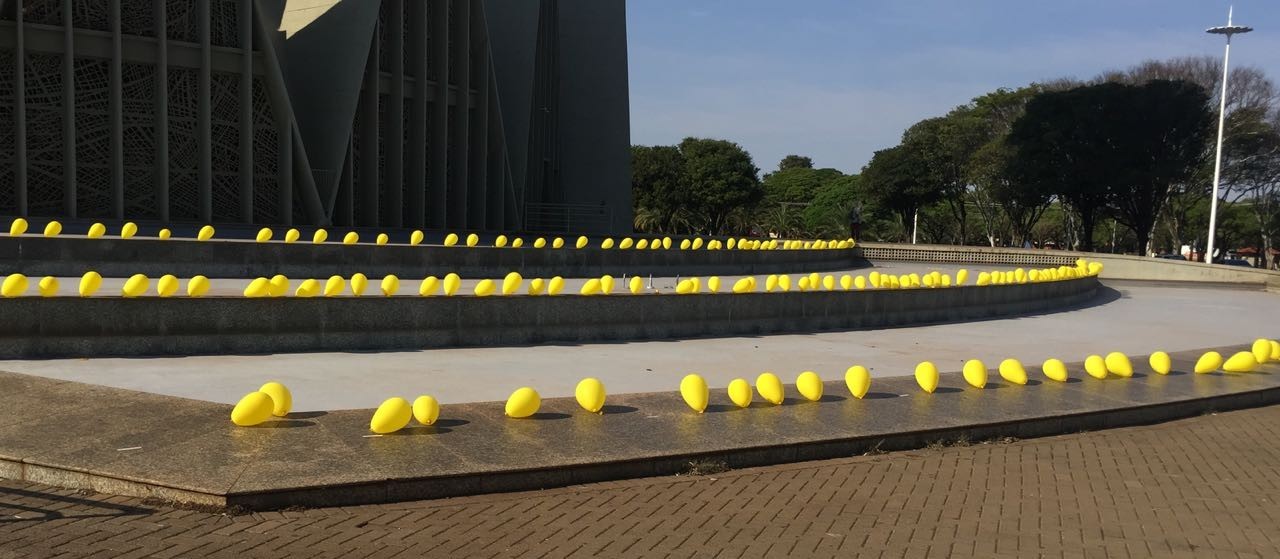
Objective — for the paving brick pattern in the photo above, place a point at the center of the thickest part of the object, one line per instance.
(1202, 487)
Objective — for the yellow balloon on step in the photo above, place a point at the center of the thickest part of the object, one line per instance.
(517, 243)
(846, 282)
(1261, 351)
(53, 229)
(666, 243)
(1096, 366)
(874, 278)
(581, 243)
(1055, 369)
(540, 243)
(1118, 364)
(253, 409)
(1275, 350)
(590, 394)
(14, 285)
(740, 392)
(695, 392)
(713, 284)
(731, 244)
(591, 287)
(97, 230)
(382, 239)
(320, 236)
(501, 241)
(281, 398)
(962, 276)
(205, 233)
(1012, 371)
(167, 285)
(452, 282)
(927, 376)
(770, 388)
(642, 244)
(685, 287)
(984, 279)
(430, 286)
(1242, 362)
(511, 284)
(606, 284)
(485, 288)
(1209, 362)
(416, 238)
(555, 286)
(390, 285)
(685, 244)
(858, 379)
(264, 235)
(359, 283)
(279, 286)
(197, 286)
(291, 236)
(784, 282)
(742, 286)
(18, 227)
(1095, 268)
(426, 410)
(128, 230)
(136, 285)
(626, 244)
(334, 286)
(393, 415)
(523, 403)
(860, 283)
(557, 243)
(258, 288)
(1161, 362)
(537, 286)
(635, 285)
(351, 238)
(451, 239)
(809, 385)
(606, 244)
(828, 283)
(473, 240)
(975, 373)
(309, 288)
(697, 243)
(48, 286)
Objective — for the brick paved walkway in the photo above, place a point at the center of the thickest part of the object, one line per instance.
(1202, 487)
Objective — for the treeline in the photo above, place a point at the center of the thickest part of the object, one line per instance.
(1122, 162)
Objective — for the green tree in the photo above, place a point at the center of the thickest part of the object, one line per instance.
(897, 180)
(946, 145)
(658, 186)
(721, 178)
(795, 162)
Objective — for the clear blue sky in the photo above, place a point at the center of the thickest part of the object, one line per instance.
(838, 79)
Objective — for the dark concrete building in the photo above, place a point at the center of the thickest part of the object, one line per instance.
(437, 114)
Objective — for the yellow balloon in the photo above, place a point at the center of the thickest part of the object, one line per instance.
(359, 283)
(685, 287)
(485, 288)
(846, 282)
(1055, 369)
(626, 243)
(14, 285)
(382, 239)
(858, 379)
(97, 230)
(975, 373)
(962, 276)
(416, 238)
(666, 243)
(393, 415)
(473, 240)
(592, 287)
(606, 284)
(537, 286)
(946, 280)
(1242, 362)
(205, 233)
(451, 239)
(259, 287)
(695, 392)
(642, 244)
(860, 283)
(590, 394)
(1161, 362)
(452, 283)
(809, 385)
(198, 286)
(517, 243)
(829, 283)
(1261, 351)
(1012, 371)
(875, 279)
(770, 388)
(742, 286)
(697, 243)
(281, 398)
(731, 244)
(523, 403)
(557, 243)
(685, 244)
(48, 286)
(253, 409)
(429, 286)
(53, 229)
(539, 243)
(136, 285)
(555, 286)
(351, 238)
(279, 286)
(511, 284)
(1275, 350)
(784, 282)
(500, 242)
(815, 280)
(770, 283)
(1209, 362)
(636, 285)
(320, 236)
(713, 284)
(927, 376)
(18, 227)
(984, 279)
(128, 230)
(582, 243)
(167, 285)
(334, 286)
(1118, 364)
(264, 235)
(308, 288)
(291, 236)
(426, 410)
(164, 234)
(1095, 268)
(740, 393)
(1096, 366)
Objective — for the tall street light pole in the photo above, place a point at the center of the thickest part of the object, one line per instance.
(1227, 30)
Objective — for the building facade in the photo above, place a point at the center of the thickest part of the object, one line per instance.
(457, 114)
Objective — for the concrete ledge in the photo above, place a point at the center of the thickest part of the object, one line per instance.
(114, 257)
(111, 326)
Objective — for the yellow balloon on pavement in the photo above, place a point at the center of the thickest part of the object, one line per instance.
(1055, 369)
(606, 284)
(48, 286)
(858, 379)
(523, 403)
(205, 233)
(636, 285)
(280, 397)
(452, 282)
(390, 285)
(975, 373)
(393, 415)
(1261, 351)
(590, 394)
(259, 287)
(537, 286)
(308, 288)
(429, 286)
(167, 285)
(14, 285)
(1161, 362)
(809, 385)
(846, 282)
(1242, 362)
(695, 392)
(742, 286)
(1012, 371)
(253, 409)
(359, 283)
(485, 288)
(555, 286)
(426, 410)
(291, 236)
(591, 287)
(1118, 364)
(198, 286)
(136, 285)
(770, 388)
(1275, 350)
(860, 283)
(713, 284)
(334, 286)
(1096, 366)
(927, 376)
(511, 283)
(740, 393)
(1209, 362)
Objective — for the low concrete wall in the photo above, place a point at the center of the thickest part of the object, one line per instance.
(114, 257)
(100, 326)
(1115, 266)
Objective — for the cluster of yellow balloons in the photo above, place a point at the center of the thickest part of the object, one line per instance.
(271, 400)
(694, 391)
(137, 285)
(129, 230)
(395, 413)
(1083, 268)
(525, 401)
(1261, 352)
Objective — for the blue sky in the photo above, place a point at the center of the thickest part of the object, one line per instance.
(838, 79)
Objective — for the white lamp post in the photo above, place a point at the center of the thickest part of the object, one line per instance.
(1227, 30)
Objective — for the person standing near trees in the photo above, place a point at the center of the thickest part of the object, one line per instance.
(855, 221)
